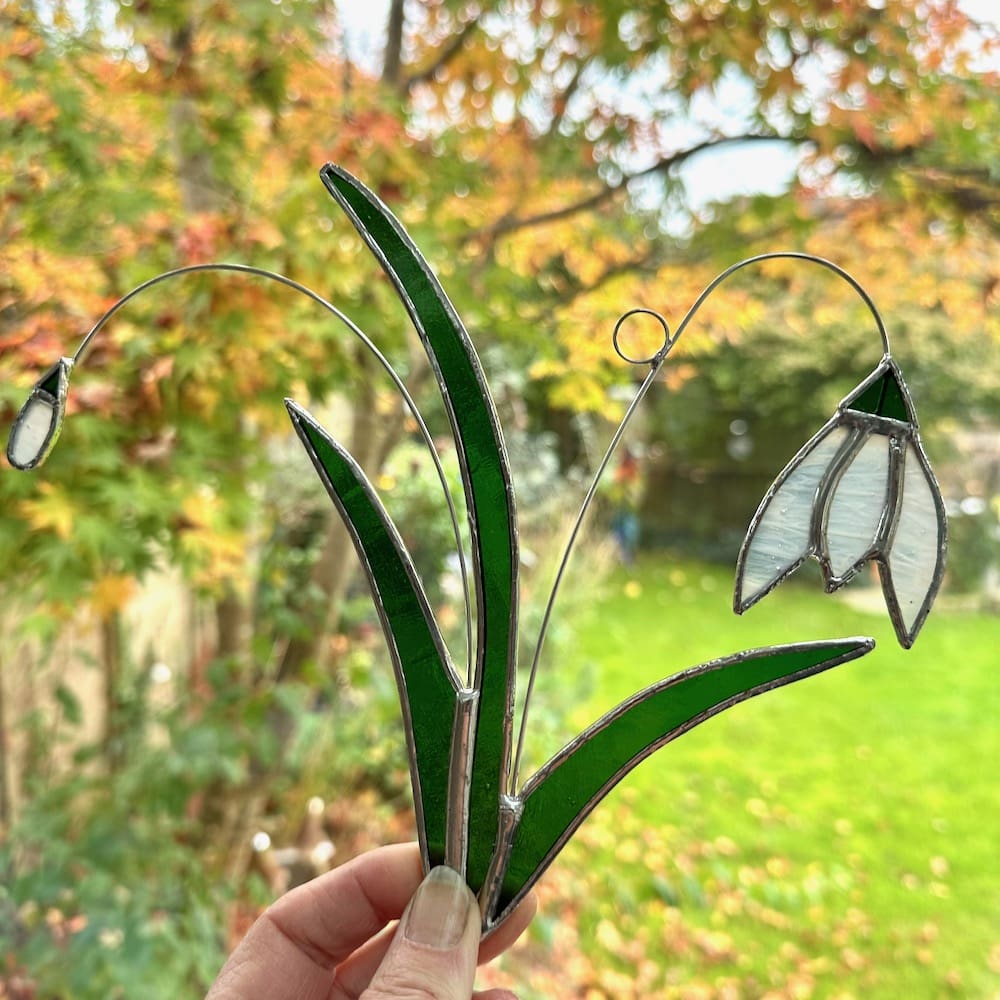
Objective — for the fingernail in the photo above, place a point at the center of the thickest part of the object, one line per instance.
(439, 910)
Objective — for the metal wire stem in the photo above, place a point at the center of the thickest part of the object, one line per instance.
(366, 342)
(656, 362)
(789, 255)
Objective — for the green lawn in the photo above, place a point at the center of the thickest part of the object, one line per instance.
(834, 838)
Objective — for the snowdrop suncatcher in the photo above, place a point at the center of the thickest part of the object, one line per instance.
(861, 490)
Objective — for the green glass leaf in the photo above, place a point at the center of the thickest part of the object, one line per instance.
(426, 680)
(562, 793)
(488, 491)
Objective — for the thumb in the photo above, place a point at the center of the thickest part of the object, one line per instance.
(433, 954)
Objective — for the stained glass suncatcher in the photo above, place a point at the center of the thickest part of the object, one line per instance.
(860, 491)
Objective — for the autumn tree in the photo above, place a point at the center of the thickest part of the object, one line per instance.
(561, 136)
(541, 152)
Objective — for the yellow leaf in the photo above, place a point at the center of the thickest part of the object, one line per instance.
(582, 394)
(52, 511)
(224, 554)
(111, 593)
(200, 508)
(546, 368)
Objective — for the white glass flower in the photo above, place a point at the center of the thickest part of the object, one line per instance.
(861, 490)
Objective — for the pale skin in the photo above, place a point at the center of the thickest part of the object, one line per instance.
(335, 938)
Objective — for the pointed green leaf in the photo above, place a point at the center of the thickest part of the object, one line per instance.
(562, 793)
(488, 491)
(424, 675)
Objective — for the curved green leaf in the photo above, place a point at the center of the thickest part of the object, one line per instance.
(488, 491)
(557, 799)
(424, 675)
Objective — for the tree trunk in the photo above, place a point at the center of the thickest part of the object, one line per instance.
(372, 438)
(200, 192)
(111, 669)
(392, 63)
(191, 149)
(6, 810)
(337, 560)
(232, 621)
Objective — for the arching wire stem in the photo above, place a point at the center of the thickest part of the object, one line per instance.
(366, 342)
(656, 362)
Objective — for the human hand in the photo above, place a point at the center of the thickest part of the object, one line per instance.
(329, 939)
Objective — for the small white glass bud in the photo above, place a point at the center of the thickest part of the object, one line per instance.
(37, 425)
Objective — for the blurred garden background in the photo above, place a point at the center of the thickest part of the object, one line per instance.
(196, 706)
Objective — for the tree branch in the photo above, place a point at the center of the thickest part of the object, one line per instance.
(646, 258)
(444, 55)
(560, 103)
(971, 190)
(509, 224)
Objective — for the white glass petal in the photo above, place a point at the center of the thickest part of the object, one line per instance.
(857, 505)
(782, 533)
(30, 432)
(916, 545)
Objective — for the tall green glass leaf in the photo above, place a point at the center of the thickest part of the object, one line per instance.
(424, 676)
(562, 793)
(488, 491)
